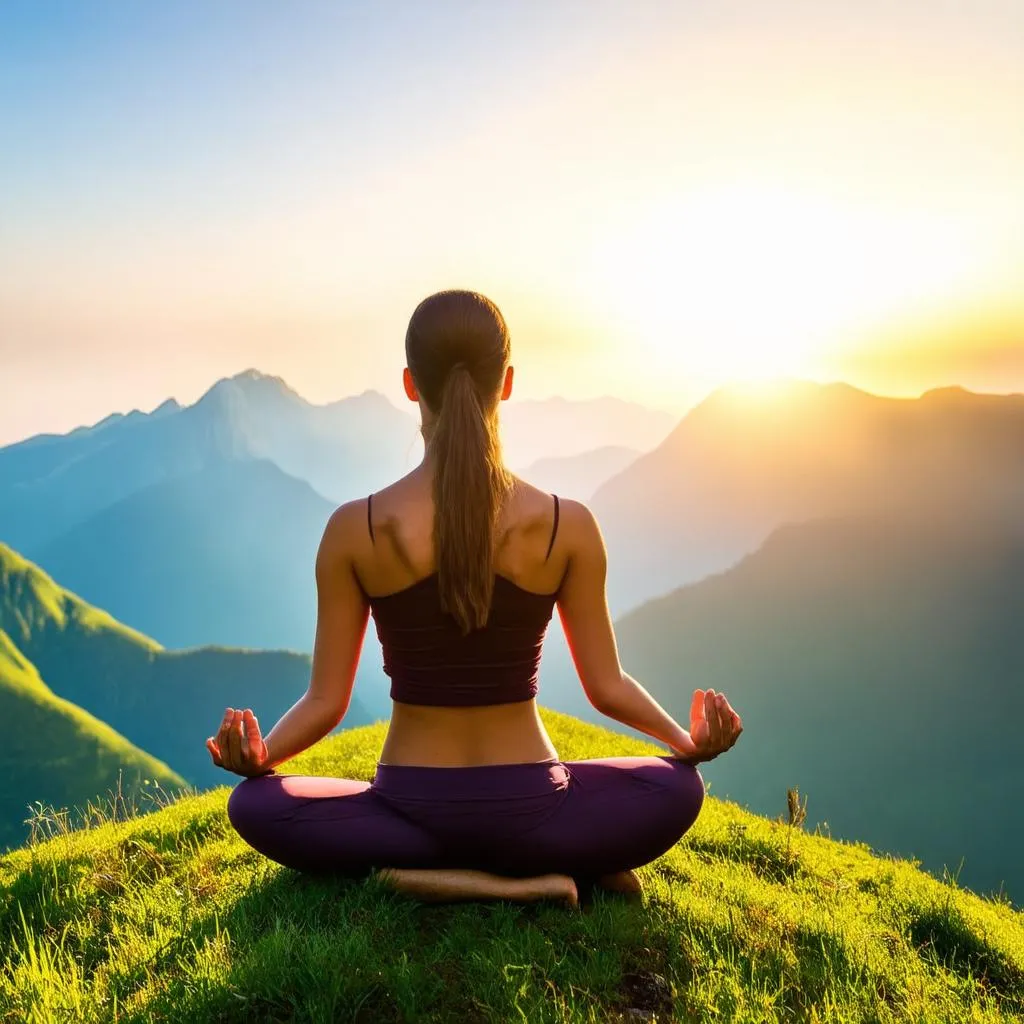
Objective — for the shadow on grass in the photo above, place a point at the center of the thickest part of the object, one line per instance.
(770, 859)
(941, 934)
(316, 948)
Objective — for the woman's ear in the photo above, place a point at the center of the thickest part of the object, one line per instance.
(410, 386)
(506, 388)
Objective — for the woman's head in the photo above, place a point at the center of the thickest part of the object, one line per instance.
(454, 327)
(457, 351)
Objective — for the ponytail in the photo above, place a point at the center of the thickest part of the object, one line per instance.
(470, 485)
(457, 349)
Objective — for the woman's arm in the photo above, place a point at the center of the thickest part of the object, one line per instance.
(342, 615)
(583, 609)
(302, 725)
(632, 705)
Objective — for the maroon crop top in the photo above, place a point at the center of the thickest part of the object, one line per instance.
(428, 659)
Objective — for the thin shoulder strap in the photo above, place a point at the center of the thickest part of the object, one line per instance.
(554, 529)
(369, 518)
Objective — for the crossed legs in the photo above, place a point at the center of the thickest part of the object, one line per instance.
(339, 826)
(618, 813)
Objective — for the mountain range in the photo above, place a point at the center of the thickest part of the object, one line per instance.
(242, 483)
(738, 465)
(222, 555)
(578, 476)
(51, 483)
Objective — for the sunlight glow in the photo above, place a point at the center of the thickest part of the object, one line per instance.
(749, 283)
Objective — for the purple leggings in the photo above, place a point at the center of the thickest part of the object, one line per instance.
(580, 818)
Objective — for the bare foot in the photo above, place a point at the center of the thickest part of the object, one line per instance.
(440, 885)
(627, 882)
(552, 887)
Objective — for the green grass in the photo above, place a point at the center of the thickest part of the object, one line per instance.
(170, 917)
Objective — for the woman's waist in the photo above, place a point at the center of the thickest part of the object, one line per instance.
(466, 737)
(500, 781)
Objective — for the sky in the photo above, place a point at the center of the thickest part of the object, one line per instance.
(661, 197)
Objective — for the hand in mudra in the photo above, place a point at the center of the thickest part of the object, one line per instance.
(238, 746)
(714, 727)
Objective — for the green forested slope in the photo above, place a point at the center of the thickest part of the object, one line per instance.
(56, 753)
(164, 702)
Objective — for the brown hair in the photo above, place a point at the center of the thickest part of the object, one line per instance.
(457, 350)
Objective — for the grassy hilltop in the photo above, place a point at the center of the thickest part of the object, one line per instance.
(170, 917)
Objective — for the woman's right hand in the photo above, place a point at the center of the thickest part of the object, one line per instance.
(239, 746)
(714, 727)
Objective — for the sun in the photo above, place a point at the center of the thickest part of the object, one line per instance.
(747, 284)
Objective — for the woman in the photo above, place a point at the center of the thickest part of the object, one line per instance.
(461, 565)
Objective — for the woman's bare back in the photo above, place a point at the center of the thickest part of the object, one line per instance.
(400, 554)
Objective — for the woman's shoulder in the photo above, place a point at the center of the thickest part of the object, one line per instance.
(362, 513)
(358, 527)
(576, 521)
(343, 531)
(348, 514)
(579, 522)
(536, 497)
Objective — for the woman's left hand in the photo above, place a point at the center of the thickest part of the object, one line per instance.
(238, 746)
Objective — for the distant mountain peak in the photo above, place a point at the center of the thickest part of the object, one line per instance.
(166, 407)
(948, 393)
(748, 400)
(110, 418)
(252, 379)
(370, 396)
(783, 388)
(252, 374)
(252, 384)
